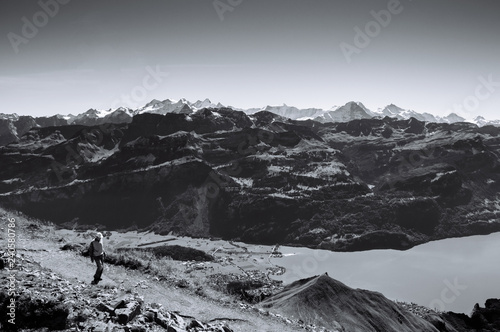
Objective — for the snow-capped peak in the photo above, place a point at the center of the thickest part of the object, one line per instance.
(481, 121)
(199, 104)
(453, 117)
(176, 106)
(350, 111)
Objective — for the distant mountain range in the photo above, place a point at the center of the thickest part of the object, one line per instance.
(13, 126)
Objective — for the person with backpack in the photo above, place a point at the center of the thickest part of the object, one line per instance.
(97, 254)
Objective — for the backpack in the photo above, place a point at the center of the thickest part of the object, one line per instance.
(91, 249)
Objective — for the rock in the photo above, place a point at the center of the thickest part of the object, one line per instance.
(136, 328)
(174, 329)
(119, 304)
(196, 324)
(178, 320)
(128, 313)
(100, 327)
(150, 316)
(83, 315)
(156, 305)
(105, 308)
(171, 325)
(140, 319)
(113, 327)
(162, 320)
(263, 312)
(118, 329)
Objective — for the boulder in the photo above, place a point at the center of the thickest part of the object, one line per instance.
(196, 324)
(162, 320)
(105, 308)
(128, 313)
(150, 316)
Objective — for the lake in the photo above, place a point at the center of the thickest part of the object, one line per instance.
(450, 275)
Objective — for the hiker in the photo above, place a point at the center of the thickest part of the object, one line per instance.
(97, 254)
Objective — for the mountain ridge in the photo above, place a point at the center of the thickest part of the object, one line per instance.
(348, 112)
(358, 185)
(292, 112)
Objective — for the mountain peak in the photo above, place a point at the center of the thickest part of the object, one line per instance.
(453, 117)
(321, 299)
(392, 108)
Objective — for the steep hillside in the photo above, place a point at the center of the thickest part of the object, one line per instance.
(327, 302)
(357, 185)
(330, 303)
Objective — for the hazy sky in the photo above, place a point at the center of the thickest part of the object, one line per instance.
(429, 55)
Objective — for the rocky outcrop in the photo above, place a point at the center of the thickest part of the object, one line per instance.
(485, 319)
